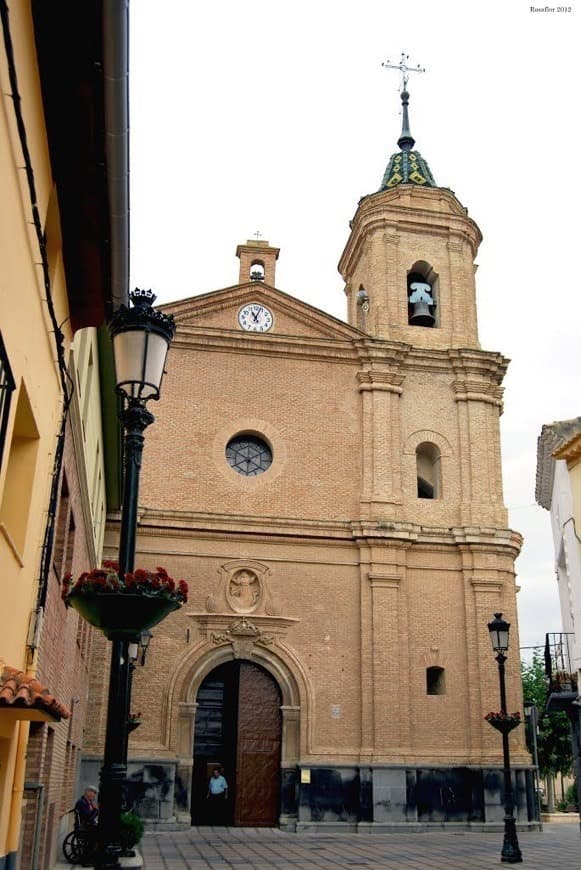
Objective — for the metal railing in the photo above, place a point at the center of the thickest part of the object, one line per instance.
(561, 677)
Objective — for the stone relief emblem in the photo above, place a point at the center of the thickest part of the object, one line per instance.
(242, 635)
(243, 588)
(243, 591)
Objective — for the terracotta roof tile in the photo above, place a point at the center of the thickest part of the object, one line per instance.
(19, 690)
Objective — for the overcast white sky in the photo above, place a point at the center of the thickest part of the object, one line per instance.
(277, 116)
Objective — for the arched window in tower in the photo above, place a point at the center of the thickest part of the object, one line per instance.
(422, 288)
(435, 681)
(257, 270)
(428, 470)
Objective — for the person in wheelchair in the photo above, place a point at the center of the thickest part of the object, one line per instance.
(79, 846)
(86, 809)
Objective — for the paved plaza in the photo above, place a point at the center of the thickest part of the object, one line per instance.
(558, 845)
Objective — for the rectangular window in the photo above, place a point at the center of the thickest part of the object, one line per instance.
(7, 387)
(20, 474)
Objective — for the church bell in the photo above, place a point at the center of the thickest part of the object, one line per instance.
(421, 299)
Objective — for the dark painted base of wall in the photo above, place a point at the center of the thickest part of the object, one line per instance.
(363, 799)
(399, 798)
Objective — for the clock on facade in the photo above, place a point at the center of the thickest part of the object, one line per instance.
(255, 317)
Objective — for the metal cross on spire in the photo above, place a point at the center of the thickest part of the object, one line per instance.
(404, 69)
(257, 235)
(406, 141)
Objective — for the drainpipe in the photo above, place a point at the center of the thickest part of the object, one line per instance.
(13, 838)
(116, 90)
(39, 788)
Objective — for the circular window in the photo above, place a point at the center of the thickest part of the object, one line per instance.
(248, 455)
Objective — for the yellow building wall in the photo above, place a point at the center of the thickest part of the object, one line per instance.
(30, 344)
(88, 433)
(36, 405)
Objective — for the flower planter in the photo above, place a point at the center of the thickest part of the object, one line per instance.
(123, 607)
(132, 724)
(121, 615)
(504, 724)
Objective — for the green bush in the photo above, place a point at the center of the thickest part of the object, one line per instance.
(570, 799)
(131, 830)
(561, 806)
(571, 795)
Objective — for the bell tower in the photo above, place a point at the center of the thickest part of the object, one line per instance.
(408, 265)
(431, 397)
(432, 533)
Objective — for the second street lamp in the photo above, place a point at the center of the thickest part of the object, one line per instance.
(141, 338)
(499, 631)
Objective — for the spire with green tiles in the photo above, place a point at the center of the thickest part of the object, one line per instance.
(406, 166)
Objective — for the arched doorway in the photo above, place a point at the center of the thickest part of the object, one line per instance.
(238, 726)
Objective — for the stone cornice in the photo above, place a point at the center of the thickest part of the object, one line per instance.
(407, 207)
(389, 382)
(478, 366)
(189, 312)
(378, 579)
(410, 533)
(245, 626)
(376, 352)
(491, 585)
(184, 523)
(479, 375)
(472, 536)
(242, 633)
(475, 391)
(230, 341)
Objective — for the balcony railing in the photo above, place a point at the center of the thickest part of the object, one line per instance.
(561, 677)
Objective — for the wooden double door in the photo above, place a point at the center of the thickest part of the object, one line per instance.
(238, 728)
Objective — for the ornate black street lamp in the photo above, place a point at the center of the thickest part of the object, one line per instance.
(499, 630)
(141, 338)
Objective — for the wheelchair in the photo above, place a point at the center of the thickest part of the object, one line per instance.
(80, 845)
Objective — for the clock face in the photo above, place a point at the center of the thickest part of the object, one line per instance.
(255, 317)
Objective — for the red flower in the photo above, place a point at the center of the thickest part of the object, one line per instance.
(141, 581)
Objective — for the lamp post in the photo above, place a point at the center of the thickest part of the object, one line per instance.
(531, 712)
(141, 338)
(511, 853)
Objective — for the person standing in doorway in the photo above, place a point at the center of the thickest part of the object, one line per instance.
(217, 796)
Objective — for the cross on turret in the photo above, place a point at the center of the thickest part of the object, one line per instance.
(404, 69)
(406, 141)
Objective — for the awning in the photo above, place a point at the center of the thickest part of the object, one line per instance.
(24, 697)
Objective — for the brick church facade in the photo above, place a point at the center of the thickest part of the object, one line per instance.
(332, 493)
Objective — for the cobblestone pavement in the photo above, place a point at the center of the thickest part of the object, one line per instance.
(557, 846)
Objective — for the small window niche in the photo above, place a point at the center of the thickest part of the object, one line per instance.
(257, 270)
(428, 467)
(435, 681)
(422, 295)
